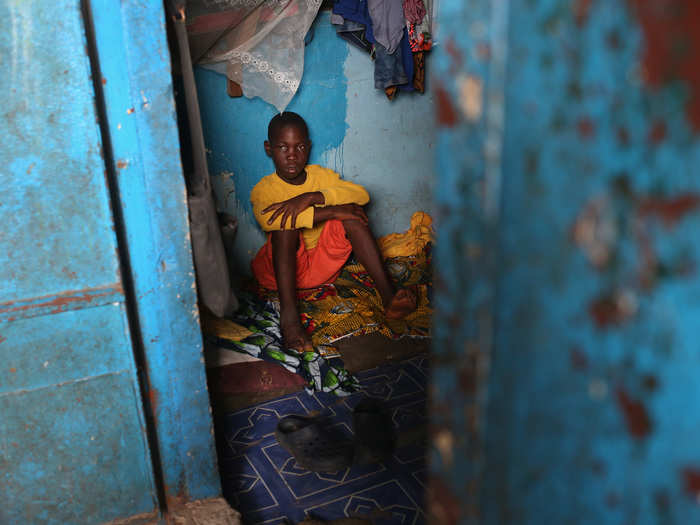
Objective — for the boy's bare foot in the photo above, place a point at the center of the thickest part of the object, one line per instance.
(295, 337)
(403, 303)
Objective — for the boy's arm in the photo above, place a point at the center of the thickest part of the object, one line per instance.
(341, 212)
(263, 199)
(292, 208)
(303, 210)
(338, 191)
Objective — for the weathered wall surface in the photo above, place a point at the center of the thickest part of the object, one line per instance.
(587, 307)
(386, 146)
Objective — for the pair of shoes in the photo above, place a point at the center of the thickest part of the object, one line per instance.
(374, 432)
(315, 449)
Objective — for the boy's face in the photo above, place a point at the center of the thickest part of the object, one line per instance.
(289, 150)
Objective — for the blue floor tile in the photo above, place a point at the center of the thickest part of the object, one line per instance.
(263, 482)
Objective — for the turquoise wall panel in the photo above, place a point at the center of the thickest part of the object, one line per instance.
(73, 444)
(74, 453)
(469, 68)
(51, 158)
(41, 351)
(567, 295)
(596, 348)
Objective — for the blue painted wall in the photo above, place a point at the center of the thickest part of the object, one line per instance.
(565, 384)
(596, 357)
(386, 146)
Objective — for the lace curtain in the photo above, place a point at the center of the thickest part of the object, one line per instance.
(258, 44)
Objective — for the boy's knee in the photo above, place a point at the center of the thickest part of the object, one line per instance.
(354, 225)
(335, 228)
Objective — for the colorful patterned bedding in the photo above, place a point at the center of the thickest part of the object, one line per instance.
(349, 306)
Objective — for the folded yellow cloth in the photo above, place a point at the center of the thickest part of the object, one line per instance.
(412, 241)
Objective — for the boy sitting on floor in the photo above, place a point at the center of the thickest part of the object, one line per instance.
(313, 219)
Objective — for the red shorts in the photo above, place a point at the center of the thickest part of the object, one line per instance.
(317, 266)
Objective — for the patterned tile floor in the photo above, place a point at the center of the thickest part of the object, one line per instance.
(262, 481)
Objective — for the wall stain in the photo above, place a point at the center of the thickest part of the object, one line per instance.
(579, 360)
(657, 133)
(672, 47)
(581, 9)
(455, 54)
(153, 399)
(60, 303)
(650, 383)
(612, 309)
(623, 137)
(635, 414)
(599, 468)
(467, 375)
(670, 210)
(662, 501)
(613, 40)
(586, 128)
(444, 505)
(691, 481)
(612, 499)
(446, 113)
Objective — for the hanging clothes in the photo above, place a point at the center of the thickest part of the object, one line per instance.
(387, 30)
(387, 22)
(407, 61)
(352, 32)
(388, 68)
(356, 11)
(419, 71)
(414, 11)
(420, 27)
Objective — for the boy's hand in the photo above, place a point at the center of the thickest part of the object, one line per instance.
(293, 207)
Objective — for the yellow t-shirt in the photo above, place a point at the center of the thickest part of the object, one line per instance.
(272, 189)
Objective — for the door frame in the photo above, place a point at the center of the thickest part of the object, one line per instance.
(133, 83)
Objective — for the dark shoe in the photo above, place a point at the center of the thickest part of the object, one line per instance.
(375, 438)
(313, 447)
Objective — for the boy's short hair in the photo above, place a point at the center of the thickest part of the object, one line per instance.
(286, 118)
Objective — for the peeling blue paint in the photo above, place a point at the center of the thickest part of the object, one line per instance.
(582, 297)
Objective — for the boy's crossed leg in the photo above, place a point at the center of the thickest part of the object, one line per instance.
(396, 304)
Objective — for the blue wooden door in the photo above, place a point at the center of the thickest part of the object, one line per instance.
(73, 444)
